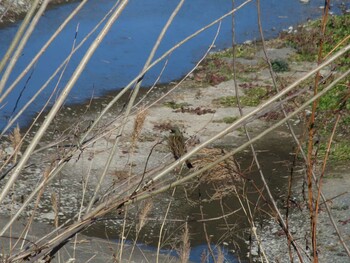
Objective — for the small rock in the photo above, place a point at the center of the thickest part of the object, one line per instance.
(48, 216)
(9, 150)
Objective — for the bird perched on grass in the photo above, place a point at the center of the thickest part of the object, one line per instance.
(176, 143)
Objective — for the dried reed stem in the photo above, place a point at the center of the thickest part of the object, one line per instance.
(185, 248)
(138, 125)
(16, 142)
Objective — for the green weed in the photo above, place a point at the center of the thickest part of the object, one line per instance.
(280, 65)
(252, 98)
(307, 39)
(175, 105)
(227, 120)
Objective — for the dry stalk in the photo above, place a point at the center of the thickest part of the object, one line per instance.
(59, 68)
(185, 248)
(55, 207)
(18, 50)
(54, 202)
(160, 239)
(312, 131)
(16, 141)
(207, 237)
(330, 141)
(19, 34)
(122, 235)
(289, 195)
(138, 125)
(44, 47)
(224, 176)
(221, 257)
(147, 206)
(41, 192)
(249, 216)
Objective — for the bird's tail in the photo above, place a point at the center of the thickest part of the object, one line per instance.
(189, 165)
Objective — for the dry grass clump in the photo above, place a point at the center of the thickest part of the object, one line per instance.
(16, 142)
(224, 177)
(138, 124)
(185, 246)
(225, 171)
(146, 208)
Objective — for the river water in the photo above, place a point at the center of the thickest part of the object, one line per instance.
(123, 52)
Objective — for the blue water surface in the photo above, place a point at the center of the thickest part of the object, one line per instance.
(198, 254)
(124, 51)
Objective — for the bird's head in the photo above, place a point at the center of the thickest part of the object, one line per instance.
(175, 130)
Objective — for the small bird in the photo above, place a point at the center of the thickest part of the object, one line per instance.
(176, 143)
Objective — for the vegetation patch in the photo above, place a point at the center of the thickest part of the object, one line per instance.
(340, 151)
(227, 120)
(307, 41)
(246, 51)
(336, 99)
(280, 65)
(197, 110)
(252, 98)
(217, 71)
(175, 105)
(308, 38)
(217, 67)
(330, 105)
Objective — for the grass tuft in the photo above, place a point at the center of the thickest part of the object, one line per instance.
(16, 142)
(138, 124)
(185, 247)
(147, 207)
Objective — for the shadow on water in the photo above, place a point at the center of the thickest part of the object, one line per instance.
(275, 154)
(123, 52)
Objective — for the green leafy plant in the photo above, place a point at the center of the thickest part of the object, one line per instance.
(227, 120)
(252, 98)
(280, 65)
(334, 99)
